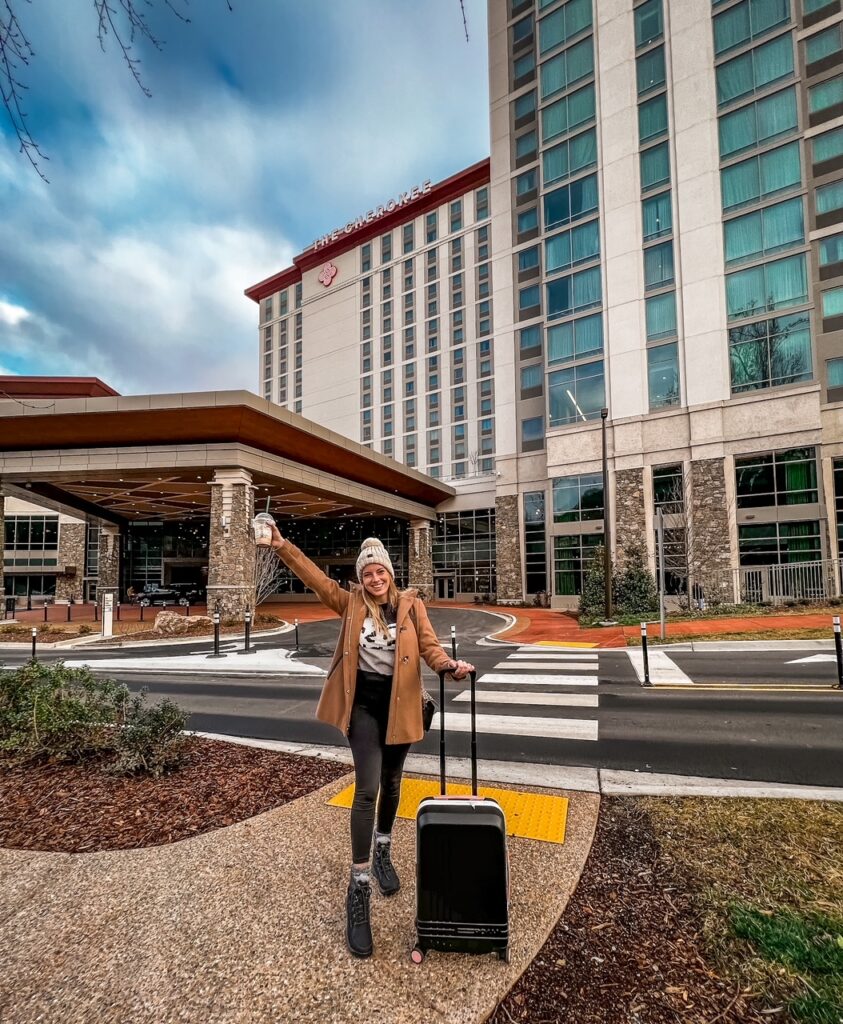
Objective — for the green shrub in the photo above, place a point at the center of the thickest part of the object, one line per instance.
(593, 597)
(85, 629)
(150, 739)
(636, 588)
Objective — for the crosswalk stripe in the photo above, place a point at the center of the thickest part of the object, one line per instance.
(552, 700)
(663, 670)
(516, 725)
(538, 680)
(563, 666)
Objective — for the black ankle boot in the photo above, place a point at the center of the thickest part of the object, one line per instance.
(384, 870)
(358, 929)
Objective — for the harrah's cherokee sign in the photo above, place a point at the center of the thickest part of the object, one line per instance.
(380, 211)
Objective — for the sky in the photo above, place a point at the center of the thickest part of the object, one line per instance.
(267, 126)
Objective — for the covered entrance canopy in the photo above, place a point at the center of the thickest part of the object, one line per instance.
(210, 456)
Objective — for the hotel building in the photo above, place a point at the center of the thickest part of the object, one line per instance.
(659, 234)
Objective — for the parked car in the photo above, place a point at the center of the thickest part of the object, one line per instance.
(153, 594)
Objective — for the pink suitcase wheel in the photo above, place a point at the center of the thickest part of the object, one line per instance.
(417, 956)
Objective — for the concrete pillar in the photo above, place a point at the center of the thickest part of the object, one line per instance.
(630, 518)
(231, 550)
(508, 550)
(69, 579)
(2, 542)
(108, 576)
(421, 557)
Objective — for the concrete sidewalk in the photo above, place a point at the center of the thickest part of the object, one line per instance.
(246, 924)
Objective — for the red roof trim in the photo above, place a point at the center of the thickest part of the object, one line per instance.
(451, 188)
(18, 386)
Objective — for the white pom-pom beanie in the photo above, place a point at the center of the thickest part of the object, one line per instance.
(372, 552)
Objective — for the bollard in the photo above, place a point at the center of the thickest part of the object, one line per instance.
(34, 641)
(46, 606)
(187, 608)
(247, 649)
(297, 634)
(454, 642)
(96, 610)
(838, 647)
(216, 653)
(118, 611)
(646, 658)
(141, 613)
(68, 611)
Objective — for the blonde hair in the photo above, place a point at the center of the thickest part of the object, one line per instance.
(375, 610)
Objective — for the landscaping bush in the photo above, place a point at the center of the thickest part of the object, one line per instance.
(65, 714)
(593, 597)
(636, 592)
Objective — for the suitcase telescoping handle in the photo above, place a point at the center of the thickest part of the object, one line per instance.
(473, 681)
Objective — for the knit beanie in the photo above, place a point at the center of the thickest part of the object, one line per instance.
(372, 552)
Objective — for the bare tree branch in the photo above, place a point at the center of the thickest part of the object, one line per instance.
(269, 571)
(15, 50)
(464, 20)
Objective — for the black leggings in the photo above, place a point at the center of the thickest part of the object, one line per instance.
(378, 765)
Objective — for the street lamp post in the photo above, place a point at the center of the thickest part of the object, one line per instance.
(607, 536)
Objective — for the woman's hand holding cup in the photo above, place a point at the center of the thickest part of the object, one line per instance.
(277, 540)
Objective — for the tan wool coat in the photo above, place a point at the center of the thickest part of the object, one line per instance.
(414, 640)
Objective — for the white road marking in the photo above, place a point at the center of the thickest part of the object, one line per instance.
(558, 700)
(813, 657)
(662, 669)
(538, 680)
(516, 725)
(562, 666)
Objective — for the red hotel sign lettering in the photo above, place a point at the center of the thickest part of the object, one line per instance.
(380, 211)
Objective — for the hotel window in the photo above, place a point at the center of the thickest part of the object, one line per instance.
(669, 490)
(831, 250)
(755, 70)
(660, 312)
(574, 340)
(535, 543)
(267, 338)
(563, 24)
(530, 341)
(823, 44)
(650, 70)
(663, 375)
(409, 345)
(455, 215)
(568, 158)
(283, 303)
(484, 317)
(832, 303)
(408, 274)
(579, 245)
(761, 176)
(573, 293)
(431, 231)
(657, 216)
(834, 371)
(776, 479)
(827, 146)
(571, 558)
(267, 308)
(748, 20)
(655, 167)
(523, 67)
(458, 409)
(526, 182)
(652, 118)
(531, 381)
(523, 107)
(388, 447)
(649, 25)
(570, 202)
(576, 393)
(298, 295)
(526, 146)
(764, 231)
(528, 258)
(456, 254)
(658, 265)
(457, 335)
(568, 113)
(829, 198)
(578, 499)
(386, 349)
(386, 248)
(769, 287)
(567, 68)
(298, 326)
(770, 353)
(366, 258)
(408, 235)
(779, 543)
(481, 204)
(434, 440)
(410, 414)
(758, 123)
(826, 96)
(532, 434)
(482, 242)
(528, 220)
(522, 30)
(529, 298)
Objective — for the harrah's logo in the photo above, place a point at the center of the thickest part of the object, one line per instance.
(416, 192)
(327, 274)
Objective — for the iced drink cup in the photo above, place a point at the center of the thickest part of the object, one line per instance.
(262, 528)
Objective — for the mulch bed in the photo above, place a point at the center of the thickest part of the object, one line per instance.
(78, 809)
(627, 949)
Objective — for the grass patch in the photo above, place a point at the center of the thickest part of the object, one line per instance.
(766, 879)
(811, 633)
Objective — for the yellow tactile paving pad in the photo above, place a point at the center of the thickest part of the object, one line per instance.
(561, 643)
(528, 815)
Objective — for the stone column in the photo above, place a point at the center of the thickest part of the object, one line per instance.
(2, 542)
(421, 557)
(630, 514)
(709, 554)
(108, 575)
(508, 550)
(231, 549)
(71, 557)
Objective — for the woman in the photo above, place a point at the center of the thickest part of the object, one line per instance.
(373, 695)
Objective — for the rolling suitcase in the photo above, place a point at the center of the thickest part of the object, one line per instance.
(462, 867)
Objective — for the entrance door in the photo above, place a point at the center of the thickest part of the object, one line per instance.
(445, 588)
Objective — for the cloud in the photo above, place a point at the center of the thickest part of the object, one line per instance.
(11, 314)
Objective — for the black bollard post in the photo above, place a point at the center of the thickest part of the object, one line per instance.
(297, 634)
(838, 647)
(646, 658)
(216, 654)
(247, 649)
(96, 610)
(118, 611)
(187, 607)
(454, 642)
(34, 641)
(68, 611)
(141, 613)
(46, 606)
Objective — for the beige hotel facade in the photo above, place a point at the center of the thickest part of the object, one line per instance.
(659, 233)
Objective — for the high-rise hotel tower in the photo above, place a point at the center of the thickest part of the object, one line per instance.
(657, 237)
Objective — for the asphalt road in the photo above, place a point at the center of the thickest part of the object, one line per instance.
(765, 716)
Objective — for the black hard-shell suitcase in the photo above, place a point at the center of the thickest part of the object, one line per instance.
(462, 867)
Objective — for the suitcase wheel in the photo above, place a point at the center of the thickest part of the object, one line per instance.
(503, 954)
(417, 955)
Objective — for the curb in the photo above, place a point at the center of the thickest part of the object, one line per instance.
(89, 641)
(605, 781)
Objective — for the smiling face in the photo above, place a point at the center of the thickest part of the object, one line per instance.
(376, 579)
